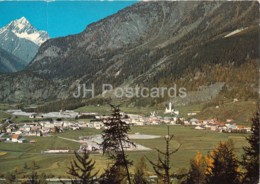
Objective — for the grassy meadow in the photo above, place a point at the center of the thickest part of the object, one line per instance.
(14, 156)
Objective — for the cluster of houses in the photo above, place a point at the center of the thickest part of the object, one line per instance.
(42, 128)
(12, 132)
(15, 138)
(214, 125)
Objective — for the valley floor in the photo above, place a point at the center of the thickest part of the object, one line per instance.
(20, 157)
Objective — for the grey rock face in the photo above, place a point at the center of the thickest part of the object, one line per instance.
(10, 63)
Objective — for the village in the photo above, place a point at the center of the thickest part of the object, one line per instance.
(11, 132)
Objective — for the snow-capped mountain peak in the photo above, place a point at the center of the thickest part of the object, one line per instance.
(21, 39)
(23, 29)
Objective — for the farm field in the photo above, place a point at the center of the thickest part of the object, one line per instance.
(18, 155)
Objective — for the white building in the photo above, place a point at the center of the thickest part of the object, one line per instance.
(15, 137)
(199, 128)
(170, 110)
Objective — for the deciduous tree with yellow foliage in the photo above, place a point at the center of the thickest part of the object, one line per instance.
(223, 165)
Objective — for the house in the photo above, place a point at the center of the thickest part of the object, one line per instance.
(2, 139)
(48, 125)
(199, 128)
(22, 140)
(38, 116)
(18, 132)
(34, 128)
(173, 122)
(58, 124)
(191, 113)
(229, 120)
(35, 133)
(33, 115)
(96, 124)
(74, 127)
(8, 130)
(11, 128)
(57, 151)
(186, 122)
(213, 127)
(7, 137)
(155, 122)
(137, 122)
(194, 120)
(45, 130)
(25, 128)
(15, 137)
(231, 126)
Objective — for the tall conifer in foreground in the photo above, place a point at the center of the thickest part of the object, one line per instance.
(115, 141)
(140, 176)
(225, 167)
(197, 173)
(251, 156)
(82, 169)
(163, 166)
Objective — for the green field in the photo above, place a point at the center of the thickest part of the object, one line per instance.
(191, 141)
(106, 109)
(241, 112)
(3, 116)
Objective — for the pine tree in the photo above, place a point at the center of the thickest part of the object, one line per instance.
(82, 169)
(10, 178)
(197, 173)
(34, 178)
(224, 167)
(115, 140)
(25, 166)
(163, 167)
(140, 176)
(114, 174)
(251, 156)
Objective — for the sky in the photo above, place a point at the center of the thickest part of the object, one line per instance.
(59, 18)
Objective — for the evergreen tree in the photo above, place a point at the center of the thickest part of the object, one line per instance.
(114, 174)
(82, 169)
(251, 156)
(34, 165)
(224, 167)
(140, 176)
(116, 140)
(163, 167)
(25, 166)
(10, 178)
(34, 178)
(197, 173)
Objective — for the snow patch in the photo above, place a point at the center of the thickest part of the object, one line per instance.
(117, 73)
(235, 32)
(34, 37)
(23, 29)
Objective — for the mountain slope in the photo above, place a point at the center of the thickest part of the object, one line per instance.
(21, 39)
(151, 44)
(10, 63)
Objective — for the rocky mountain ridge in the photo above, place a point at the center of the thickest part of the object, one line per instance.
(147, 44)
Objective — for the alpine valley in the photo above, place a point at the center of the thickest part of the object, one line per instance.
(210, 48)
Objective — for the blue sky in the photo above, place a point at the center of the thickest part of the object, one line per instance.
(59, 18)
